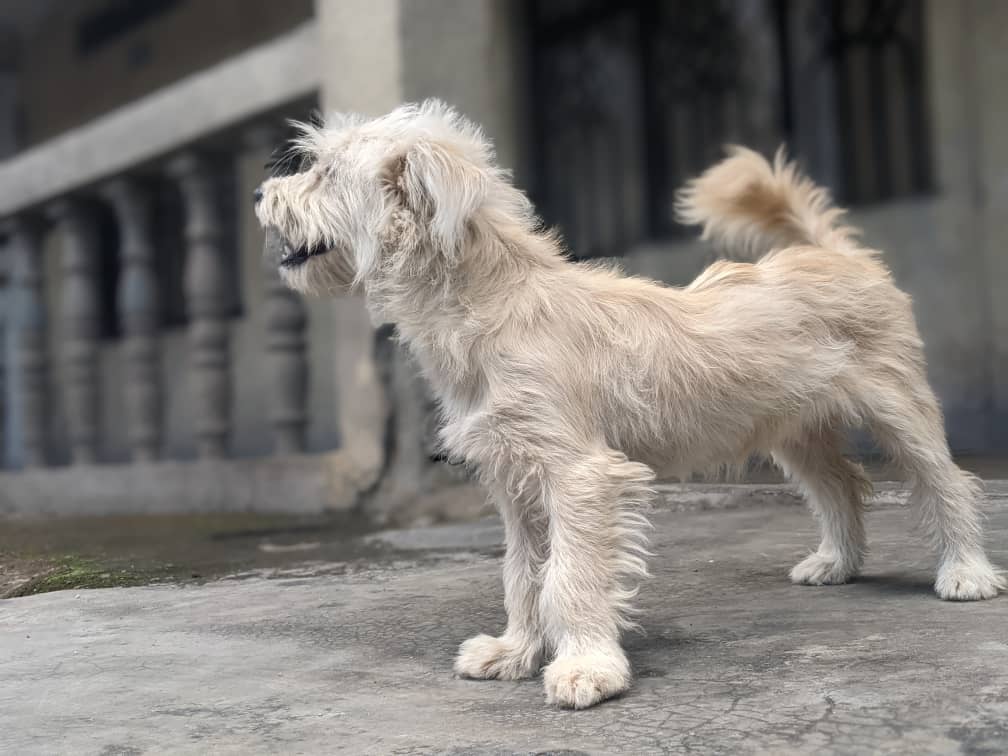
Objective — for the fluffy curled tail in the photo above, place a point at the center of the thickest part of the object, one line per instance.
(752, 207)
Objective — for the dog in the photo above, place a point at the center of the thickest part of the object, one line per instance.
(567, 385)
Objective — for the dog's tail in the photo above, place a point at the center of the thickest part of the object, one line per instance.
(752, 206)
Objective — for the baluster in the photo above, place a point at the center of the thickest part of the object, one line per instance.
(207, 298)
(138, 302)
(80, 316)
(286, 343)
(5, 365)
(27, 411)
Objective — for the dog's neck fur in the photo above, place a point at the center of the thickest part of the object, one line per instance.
(448, 315)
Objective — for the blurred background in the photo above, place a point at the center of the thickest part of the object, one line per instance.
(150, 363)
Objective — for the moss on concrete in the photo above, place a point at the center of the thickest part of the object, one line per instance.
(53, 554)
(73, 572)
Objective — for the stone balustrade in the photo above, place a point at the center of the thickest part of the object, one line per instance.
(132, 379)
(52, 258)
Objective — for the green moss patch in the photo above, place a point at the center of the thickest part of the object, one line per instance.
(72, 572)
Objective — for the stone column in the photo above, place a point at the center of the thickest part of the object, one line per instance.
(385, 424)
(286, 345)
(27, 374)
(286, 341)
(4, 362)
(81, 325)
(138, 302)
(207, 298)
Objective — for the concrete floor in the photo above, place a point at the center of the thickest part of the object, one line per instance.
(355, 657)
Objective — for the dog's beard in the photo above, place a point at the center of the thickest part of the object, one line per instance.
(315, 269)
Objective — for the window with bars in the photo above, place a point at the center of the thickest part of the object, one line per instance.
(632, 98)
(865, 131)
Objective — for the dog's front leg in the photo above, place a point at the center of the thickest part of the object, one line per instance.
(517, 653)
(596, 539)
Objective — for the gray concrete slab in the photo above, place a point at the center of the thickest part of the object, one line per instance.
(323, 658)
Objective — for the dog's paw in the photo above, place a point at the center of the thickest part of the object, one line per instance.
(487, 658)
(577, 682)
(819, 569)
(969, 581)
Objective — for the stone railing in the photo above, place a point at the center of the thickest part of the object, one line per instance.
(57, 201)
(193, 430)
(55, 391)
(207, 288)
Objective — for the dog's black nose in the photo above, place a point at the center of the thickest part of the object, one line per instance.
(257, 195)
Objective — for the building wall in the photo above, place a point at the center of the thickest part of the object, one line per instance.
(981, 43)
(63, 86)
(946, 249)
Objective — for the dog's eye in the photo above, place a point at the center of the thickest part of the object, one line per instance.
(288, 161)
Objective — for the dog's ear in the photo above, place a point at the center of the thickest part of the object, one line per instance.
(442, 188)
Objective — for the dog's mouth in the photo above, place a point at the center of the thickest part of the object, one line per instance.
(286, 254)
(292, 257)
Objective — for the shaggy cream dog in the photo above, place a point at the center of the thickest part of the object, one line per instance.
(566, 385)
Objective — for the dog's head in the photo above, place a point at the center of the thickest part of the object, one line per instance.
(400, 190)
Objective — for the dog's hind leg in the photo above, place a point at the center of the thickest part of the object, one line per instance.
(596, 540)
(835, 489)
(907, 421)
(517, 653)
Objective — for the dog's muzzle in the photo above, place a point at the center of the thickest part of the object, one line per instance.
(284, 254)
